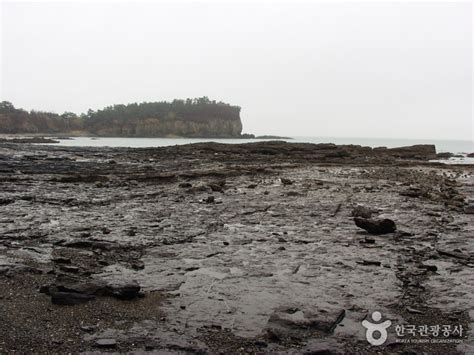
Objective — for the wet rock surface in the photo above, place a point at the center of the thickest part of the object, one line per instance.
(232, 248)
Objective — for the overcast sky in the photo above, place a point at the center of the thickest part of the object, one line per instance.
(309, 69)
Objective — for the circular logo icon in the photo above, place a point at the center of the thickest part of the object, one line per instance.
(376, 333)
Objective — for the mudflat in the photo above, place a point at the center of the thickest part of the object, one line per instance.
(231, 248)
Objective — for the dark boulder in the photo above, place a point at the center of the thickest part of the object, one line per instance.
(376, 226)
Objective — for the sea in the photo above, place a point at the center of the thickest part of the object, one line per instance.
(458, 147)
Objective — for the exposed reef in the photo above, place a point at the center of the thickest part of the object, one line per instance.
(219, 248)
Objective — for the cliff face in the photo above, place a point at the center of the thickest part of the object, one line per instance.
(156, 127)
(190, 118)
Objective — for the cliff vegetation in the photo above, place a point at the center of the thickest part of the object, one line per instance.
(198, 117)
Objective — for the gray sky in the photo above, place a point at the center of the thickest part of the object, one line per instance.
(401, 70)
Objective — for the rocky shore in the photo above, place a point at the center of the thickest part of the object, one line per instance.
(210, 248)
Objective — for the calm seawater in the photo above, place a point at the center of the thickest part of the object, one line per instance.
(453, 146)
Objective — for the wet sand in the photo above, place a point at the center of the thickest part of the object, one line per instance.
(233, 248)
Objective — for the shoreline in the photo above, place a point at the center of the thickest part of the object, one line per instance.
(442, 157)
(457, 148)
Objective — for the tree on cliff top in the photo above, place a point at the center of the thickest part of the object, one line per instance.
(198, 109)
(6, 107)
(202, 109)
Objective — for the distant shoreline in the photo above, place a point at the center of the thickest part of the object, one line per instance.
(88, 134)
(49, 138)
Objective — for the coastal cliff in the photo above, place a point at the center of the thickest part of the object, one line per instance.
(180, 118)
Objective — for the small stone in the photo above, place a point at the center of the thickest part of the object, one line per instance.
(137, 265)
(88, 328)
(469, 209)
(429, 267)
(216, 187)
(210, 199)
(413, 310)
(106, 343)
(286, 181)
